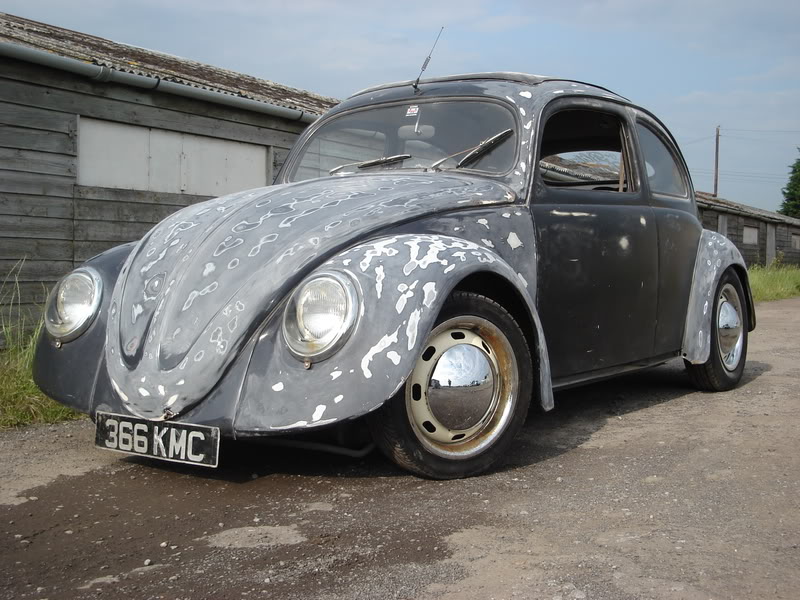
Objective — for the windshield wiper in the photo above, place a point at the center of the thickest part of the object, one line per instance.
(383, 160)
(477, 151)
(484, 147)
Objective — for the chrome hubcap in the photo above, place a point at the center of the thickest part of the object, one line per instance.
(730, 332)
(463, 388)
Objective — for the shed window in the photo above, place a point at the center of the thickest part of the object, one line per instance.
(750, 235)
(795, 242)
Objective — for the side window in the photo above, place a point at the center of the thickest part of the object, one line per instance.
(584, 149)
(663, 172)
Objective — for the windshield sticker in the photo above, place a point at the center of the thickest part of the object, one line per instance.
(412, 111)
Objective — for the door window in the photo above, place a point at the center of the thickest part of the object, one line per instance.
(584, 149)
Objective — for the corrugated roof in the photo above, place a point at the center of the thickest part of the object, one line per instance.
(151, 63)
(708, 201)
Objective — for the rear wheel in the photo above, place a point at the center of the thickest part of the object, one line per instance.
(467, 396)
(725, 364)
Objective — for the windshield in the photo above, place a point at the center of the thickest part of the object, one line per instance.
(426, 135)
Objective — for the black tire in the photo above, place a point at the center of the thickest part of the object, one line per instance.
(502, 352)
(714, 375)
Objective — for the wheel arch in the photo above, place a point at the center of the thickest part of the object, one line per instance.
(403, 281)
(498, 288)
(715, 255)
(744, 277)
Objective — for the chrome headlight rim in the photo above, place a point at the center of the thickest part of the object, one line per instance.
(51, 309)
(306, 351)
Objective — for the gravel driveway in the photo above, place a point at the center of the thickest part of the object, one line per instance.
(634, 488)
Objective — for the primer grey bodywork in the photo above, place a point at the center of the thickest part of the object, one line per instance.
(715, 254)
(192, 292)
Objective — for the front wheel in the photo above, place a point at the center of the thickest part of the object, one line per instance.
(725, 364)
(467, 396)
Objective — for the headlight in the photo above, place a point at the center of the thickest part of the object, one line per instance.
(73, 304)
(320, 315)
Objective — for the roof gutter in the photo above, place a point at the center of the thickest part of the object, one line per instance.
(107, 74)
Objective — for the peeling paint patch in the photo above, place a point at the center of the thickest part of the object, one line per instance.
(412, 329)
(338, 398)
(278, 387)
(394, 357)
(514, 241)
(483, 222)
(406, 294)
(335, 375)
(318, 412)
(382, 344)
(429, 290)
(487, 242)
(379, 277)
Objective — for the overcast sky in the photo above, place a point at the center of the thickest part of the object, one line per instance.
(695, 63)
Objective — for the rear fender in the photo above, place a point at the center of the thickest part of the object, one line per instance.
(715, 254)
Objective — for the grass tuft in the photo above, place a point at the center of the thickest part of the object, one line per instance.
(775, 282)
(21, 402)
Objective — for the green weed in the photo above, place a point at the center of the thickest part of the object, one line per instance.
(775, 282)
(21, 402)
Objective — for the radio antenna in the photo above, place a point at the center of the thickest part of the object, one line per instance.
(415, 85)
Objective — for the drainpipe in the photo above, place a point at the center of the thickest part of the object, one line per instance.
(107, 74)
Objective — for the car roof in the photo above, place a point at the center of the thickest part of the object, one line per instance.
(525, 78)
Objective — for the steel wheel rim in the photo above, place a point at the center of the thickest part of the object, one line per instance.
(465, 433)
(730, 330)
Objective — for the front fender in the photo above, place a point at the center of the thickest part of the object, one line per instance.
(403, 280)
(715, 254)
(68, 373)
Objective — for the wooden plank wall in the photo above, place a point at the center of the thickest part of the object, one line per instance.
(755, 254)
(49, 224)
(37, 175)
(783, 243)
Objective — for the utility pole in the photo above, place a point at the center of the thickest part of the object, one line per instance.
(716, 165)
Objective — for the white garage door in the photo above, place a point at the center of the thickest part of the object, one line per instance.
(141, 158)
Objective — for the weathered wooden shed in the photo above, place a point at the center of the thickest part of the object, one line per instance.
(760, 235)
(100, 140)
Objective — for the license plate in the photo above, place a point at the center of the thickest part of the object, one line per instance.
(176, 442)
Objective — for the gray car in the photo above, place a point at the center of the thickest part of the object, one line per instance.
(432, 259)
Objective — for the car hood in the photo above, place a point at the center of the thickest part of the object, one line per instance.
(198, 285)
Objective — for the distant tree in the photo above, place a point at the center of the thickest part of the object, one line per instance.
(791, 193)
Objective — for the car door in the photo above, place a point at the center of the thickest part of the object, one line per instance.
(672, 198)
(597, 240)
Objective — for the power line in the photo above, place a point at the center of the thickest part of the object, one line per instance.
(702, 139)
(759, 173)
(751, 139)
(763, 130)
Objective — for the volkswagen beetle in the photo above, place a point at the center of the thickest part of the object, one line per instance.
(434, 257)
